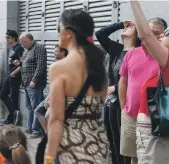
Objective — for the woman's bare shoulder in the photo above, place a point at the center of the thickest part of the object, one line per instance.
(59, 67)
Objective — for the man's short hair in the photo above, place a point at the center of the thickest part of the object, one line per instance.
(159, 21)
(12, 33)
(62, 49)
(29, 36)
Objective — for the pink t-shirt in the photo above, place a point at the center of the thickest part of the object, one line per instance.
(138, 66)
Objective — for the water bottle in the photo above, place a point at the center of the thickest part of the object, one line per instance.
(111, 99)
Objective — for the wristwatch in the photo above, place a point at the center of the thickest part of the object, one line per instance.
(50, 160)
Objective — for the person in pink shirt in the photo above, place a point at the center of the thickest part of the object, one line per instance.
(137, 67)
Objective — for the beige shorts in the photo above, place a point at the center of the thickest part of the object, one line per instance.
(128, 136)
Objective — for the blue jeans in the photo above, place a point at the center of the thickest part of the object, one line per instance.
(33, 98)
(40, 110)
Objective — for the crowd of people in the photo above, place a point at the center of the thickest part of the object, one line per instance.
(133, 100)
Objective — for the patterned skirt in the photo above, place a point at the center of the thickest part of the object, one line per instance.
(84, 141)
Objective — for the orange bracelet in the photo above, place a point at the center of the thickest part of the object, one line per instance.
(2, 159)
(50, 160)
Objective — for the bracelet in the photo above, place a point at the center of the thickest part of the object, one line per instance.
(50, 160)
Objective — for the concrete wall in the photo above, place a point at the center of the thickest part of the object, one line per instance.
(3, 50)
(3, 46)
(22, 107)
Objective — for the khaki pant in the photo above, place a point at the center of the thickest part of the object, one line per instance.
(128, 136)
(150, 149)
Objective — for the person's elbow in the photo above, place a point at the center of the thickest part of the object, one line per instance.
(100, 33)
(57, 118)
(55, 122)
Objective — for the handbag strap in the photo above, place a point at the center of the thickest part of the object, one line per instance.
(160, 81)
(72, 107)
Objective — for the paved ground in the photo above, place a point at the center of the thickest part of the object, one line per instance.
(32, 145)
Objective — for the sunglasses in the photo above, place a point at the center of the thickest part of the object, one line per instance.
(166, 32)
(128, 26)
(8, 37)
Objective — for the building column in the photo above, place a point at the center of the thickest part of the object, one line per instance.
(8, 20)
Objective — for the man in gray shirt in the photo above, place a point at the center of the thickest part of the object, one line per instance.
(34, 74)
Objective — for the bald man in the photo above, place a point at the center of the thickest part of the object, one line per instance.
(34, 73)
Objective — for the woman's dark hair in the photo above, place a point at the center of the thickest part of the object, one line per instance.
(102, 49)
(137, 41)
(81, 23)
